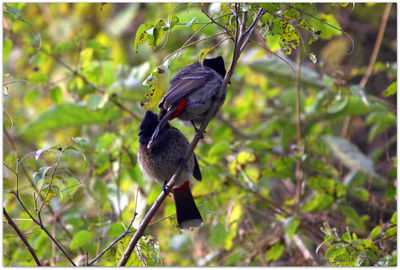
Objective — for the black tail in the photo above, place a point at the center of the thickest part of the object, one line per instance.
(186, 210)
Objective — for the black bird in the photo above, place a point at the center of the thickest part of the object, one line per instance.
(161, 161)
(191, 93)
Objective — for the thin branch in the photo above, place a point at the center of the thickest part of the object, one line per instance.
(86, 81)
(127, 231)
(377, 46)
(298, 126)
(40, 224)
(31, 25)
(217, 23)
(22, 236)
(50, 185)
(184, 45)
(24, 170)
(251, 28)
(169, 21)
(334, 27)
(275, 207)
(261, 43)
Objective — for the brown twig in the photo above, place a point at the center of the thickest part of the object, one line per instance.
(86, 81)
(24, 170)
(127, 231)
(298, 126)
(41, 225)
(377, 46)
(217, 23)
(22, 236)
(239, 40)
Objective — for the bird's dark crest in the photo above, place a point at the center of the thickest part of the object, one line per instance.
(216, 64)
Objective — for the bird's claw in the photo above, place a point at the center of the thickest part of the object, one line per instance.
(165, 188)
(201, 134)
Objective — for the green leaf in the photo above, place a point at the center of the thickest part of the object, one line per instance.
(41, 150)
(327, 31)
(319, 202)
(362, 193)
(270, 7)
(274, 252)
(346, 237)
(12, 12)
(281, 71)
(353, 218)
(391, 90)
(100, 190)
(38, 77)
(291, 225)
(219, 150)
(63, 47)
(115, 230)
(393, 220)
(72, 148)
(81, 238)
(7, 45)
(80, 141)
(96, 101)
(375, 232)
(218, 235)
(121, 247)
(391, 232)
(150, 250)
(349, 154)
(66, 115)
(56, 95)
(142, 35)
(245, 157)
(157, 83)
(291, 13)
(109, 74)
(337, 105)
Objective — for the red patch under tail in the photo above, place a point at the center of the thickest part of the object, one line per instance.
(179, 109)
(182, 188)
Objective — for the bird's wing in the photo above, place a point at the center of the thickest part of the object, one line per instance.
(184, 86)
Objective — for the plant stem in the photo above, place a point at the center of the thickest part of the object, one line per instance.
(22, 236)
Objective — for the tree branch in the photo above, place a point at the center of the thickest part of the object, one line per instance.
(298, 127)
(41, 225)
(214, 108)
(21, 235)
(377, 45)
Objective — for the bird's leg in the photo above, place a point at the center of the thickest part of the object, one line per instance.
(165, 188)
(197, 130)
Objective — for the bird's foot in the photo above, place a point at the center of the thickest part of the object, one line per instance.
(165, 188)
(201, 134)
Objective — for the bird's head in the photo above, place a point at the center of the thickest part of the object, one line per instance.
(148, 125)
(216, 64)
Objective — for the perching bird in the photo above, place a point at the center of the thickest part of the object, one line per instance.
(191, 93)
(161, 161)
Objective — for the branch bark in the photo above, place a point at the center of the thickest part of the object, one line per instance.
(239, 42)
(22, 236)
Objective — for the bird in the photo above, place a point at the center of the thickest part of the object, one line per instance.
(161, 161)
(191, 93)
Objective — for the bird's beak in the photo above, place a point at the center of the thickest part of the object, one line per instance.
(140, 133)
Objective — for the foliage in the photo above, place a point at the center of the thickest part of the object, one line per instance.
(78, 76)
